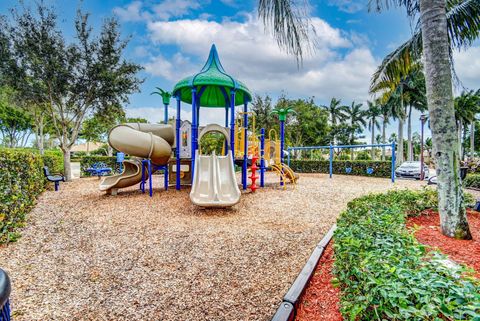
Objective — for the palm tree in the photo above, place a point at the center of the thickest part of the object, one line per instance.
(466, 108)
(441, 26)
(373, 113)
(416, 99)
(336, 112)
(472, 125)
(357, 121)
(386, 112)
(404, 92)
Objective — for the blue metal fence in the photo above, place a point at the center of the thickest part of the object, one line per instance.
(332, 147)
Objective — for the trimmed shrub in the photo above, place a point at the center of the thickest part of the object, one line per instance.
(21, 180)
(472, 180)
(53, 159)
(385, 274)
(359, 167)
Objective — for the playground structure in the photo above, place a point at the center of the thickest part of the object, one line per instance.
(331, 149)
(212, 177)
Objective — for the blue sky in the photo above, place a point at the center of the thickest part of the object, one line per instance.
(171, 39)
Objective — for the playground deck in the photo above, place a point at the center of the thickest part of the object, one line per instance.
(88, 256)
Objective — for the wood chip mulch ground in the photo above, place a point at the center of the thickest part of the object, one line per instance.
(321, 301)
(84, 255)
(462, 251)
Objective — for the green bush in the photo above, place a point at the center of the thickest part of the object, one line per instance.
(21, 180)
(472, 180)
(363, 155)
(53, 159)
(359, 167)
(385, 274)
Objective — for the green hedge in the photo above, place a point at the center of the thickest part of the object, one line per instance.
(21, 180)
(472, 180)
(359, 167)
(53, 159)
(385, 274)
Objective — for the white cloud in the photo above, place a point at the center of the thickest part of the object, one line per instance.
(175, 8)
(136, 11)
(341, 66)
(467, 66)
(349, 6)
(132, 12)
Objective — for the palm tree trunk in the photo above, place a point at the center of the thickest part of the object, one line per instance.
(472, 139)
(453, 220)
(384, 125)
(409, 134)
(373, 138)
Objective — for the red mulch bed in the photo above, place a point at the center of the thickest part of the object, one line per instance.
(321, 301)
(461, 251)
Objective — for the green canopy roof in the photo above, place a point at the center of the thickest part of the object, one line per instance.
(214, 84)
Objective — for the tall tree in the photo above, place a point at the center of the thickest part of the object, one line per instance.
(84, 76)
(356, 116)
(337, 112)
(261, 108)
(373, 114)
(442, 26)
(15, 123)
(386, 112)
(466, 109)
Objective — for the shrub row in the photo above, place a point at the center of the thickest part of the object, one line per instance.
(358, 167)
(472, 180)
(385, 274)
(21, 180)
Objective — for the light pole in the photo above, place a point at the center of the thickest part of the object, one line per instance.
(423, 119)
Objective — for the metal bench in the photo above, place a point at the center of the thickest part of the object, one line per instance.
(56, 178)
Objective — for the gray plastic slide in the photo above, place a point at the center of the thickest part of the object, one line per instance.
(152, 141)
(214, 180)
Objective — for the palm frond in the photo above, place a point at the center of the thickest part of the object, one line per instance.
(289, 23)
(463, 20)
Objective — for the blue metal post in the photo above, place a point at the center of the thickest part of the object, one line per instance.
(245, 145)
(393, 162)
(165, 179)
(262, 157)
(142, 184)
(194, 129)
(330, 169)
(226, 126)
(178, 143)
(232, 123)
(150, 177)
(165, 115)
(282, 143)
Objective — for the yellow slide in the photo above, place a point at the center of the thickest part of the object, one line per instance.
(152, 141)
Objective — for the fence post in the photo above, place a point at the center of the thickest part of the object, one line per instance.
(393, 162)
(331, 161)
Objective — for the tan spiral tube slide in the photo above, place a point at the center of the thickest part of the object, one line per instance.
(152, 141)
